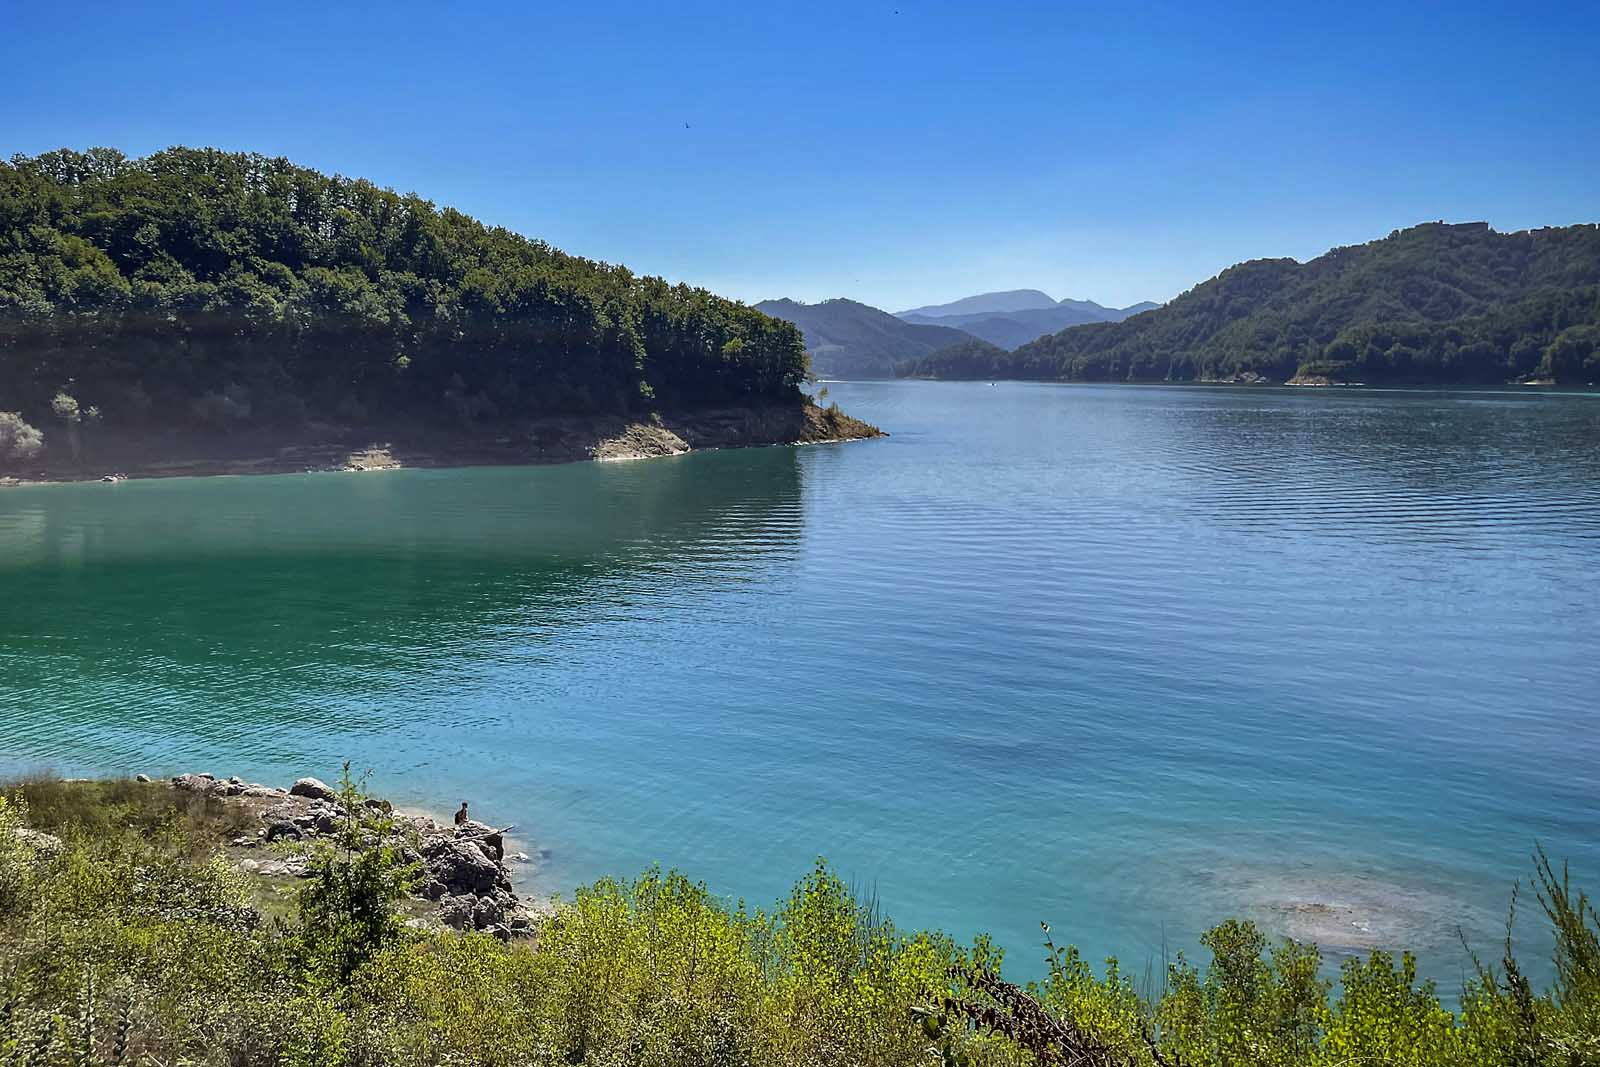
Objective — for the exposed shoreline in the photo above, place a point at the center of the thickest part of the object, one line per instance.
(113, 456)
(466, 879)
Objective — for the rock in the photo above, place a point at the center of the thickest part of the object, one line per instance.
(143, 779)
(262, 791)
(192, 783)
(282, 828)
(432, 889)
(313, 788)
(518, 857)
(460, 865)
(326, 822)
(457, 911)
(226, 789)
(487, 912)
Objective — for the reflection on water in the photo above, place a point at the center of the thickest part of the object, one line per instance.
(182, 619)
(1126, 659)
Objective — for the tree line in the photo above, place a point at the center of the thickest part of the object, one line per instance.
(196, 287)
(1434, 303)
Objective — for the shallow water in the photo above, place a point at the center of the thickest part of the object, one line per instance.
(1127, 659)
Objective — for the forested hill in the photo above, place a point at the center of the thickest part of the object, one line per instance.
(847, 339)
(1434, 303)
(216, 288)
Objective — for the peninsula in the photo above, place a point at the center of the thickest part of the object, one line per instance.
(199, 311)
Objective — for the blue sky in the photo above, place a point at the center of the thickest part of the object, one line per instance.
(898, 153)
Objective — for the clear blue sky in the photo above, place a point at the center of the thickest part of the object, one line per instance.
(898, 152)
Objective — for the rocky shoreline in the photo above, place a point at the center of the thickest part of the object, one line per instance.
(465, 881)
(113, 456)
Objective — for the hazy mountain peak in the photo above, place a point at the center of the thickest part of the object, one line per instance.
(987, 304)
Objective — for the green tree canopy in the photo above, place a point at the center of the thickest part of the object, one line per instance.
(198, 285)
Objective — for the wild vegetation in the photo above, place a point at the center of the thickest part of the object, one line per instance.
(200, 288)
(974, 358)
(125, 938)
(1434, 303)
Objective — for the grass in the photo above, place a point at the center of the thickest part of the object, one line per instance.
(103, 807)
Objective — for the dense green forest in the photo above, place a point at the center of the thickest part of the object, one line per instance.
(1434, 303)
(207, 288)
(128, 937)
(973, 357)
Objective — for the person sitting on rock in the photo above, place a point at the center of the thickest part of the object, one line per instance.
(461, 816)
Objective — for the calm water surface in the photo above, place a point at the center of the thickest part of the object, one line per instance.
(1126, 659)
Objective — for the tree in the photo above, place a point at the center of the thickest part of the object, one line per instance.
(1574, 355)
(66, 409)
(347, 904)
(18, 440)
(195, 278)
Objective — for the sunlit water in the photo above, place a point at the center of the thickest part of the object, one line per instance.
(1126, 659)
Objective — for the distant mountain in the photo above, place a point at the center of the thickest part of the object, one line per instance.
(1013, 328)
(985, 304)
(1432, 304)
(1133, 309)
(851, 340)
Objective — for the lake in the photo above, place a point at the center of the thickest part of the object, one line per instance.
(1126, 659)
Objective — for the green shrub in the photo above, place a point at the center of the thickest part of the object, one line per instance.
(144, 947)
(357, 876)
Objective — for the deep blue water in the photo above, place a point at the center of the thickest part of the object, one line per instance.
(1127, 659)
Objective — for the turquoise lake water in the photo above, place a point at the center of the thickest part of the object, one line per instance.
(1126, 659)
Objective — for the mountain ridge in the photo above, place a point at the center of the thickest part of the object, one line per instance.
(848, 339)
(1437, 302)
(997, 302)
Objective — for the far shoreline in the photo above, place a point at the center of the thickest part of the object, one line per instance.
(1509, 388)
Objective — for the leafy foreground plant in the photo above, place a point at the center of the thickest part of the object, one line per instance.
(133, 945)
